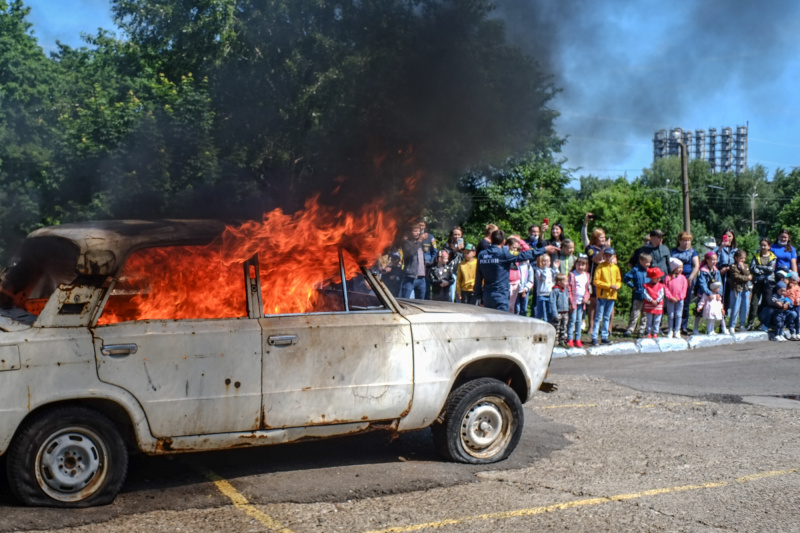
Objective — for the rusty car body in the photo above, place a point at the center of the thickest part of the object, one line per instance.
(75, 395)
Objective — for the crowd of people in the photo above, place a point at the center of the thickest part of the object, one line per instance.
(545, 278)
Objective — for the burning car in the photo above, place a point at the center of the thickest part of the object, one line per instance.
(182, 336)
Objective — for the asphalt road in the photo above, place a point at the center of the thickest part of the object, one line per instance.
(670, 442)
(759, 371)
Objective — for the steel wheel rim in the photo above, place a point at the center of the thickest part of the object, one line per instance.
(71, 464)
(486, 427)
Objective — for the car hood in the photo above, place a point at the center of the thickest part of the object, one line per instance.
(430, 306)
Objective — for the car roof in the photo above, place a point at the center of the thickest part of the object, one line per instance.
(103, 245)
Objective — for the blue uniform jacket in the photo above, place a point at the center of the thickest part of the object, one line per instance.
(635, 278)
(491, 276)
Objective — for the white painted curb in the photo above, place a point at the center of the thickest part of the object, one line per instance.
(662, 345)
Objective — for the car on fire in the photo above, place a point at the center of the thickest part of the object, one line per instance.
(87, 377)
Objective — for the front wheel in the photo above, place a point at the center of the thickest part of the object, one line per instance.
(483, 422)
(67, 457)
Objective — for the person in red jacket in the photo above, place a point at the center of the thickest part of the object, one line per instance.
(653, 301)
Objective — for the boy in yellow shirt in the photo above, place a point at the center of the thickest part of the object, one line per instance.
(465, 280)
(607, 281)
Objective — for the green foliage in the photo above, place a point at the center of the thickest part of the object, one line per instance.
(28, 88)
(749, 243)
(242, 106)
(513, 196)
(789, 218)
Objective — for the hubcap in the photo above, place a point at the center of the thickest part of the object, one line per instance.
(486, 427)
(71, 464)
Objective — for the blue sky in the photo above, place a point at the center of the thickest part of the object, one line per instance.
(627, 69)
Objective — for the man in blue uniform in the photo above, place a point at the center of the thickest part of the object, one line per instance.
(491, 277)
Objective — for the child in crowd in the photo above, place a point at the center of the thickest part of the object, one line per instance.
(711, 307)
(636, 278)
(465, 281)
(513, 274)
(708, 275)
(579, 294)
(739, 279)
(607, 280)
(793, 320)
(676, 286)
(559, 307)
(441, 276)
(654, 294)
(566, 257)
(545, 277)
(392, 274)
(526, 281)
(779, 307)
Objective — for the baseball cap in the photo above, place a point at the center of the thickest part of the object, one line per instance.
(657, 233)
(609, 251)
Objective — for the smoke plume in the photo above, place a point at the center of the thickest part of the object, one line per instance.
(630, 68)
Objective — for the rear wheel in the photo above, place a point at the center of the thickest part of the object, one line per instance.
(67, 457)
(483, 422)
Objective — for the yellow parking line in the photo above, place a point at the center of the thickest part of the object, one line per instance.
(240, 502)
(581, 503)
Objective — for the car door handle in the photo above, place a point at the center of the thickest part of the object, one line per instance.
(282, 340)
(119, 349)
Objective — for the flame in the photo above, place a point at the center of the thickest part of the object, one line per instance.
(298, 258)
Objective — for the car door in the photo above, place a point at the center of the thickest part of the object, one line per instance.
(191, 376)
(353, 364)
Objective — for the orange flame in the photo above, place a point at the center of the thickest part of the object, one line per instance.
(298, 255)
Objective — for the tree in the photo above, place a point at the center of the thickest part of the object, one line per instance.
(132, 142)
(514, 196)
(324, 96)
(29, 84)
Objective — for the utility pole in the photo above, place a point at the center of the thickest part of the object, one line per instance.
(687, 225)
(753, 209)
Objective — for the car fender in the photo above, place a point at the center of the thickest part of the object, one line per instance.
(57, 366)
(445, 344)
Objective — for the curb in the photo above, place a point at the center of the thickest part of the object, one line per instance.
(662, 345)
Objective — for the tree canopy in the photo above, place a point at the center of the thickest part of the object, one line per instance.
(229, 108)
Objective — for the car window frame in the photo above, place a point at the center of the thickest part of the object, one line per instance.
(390, 305)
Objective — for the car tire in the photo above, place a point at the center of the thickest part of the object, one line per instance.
(483, 422)
(67, 457)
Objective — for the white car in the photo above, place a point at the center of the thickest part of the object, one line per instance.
(83, 380)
